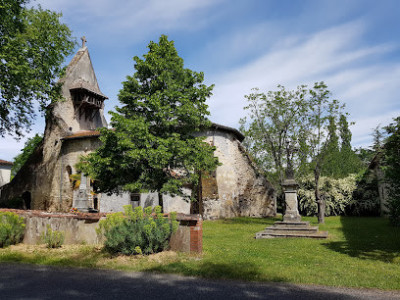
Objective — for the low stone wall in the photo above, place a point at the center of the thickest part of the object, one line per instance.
(81, 228)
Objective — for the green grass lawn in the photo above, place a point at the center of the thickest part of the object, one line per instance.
(359, 252)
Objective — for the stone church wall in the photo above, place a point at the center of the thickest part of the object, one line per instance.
(237, 188)
(115, 203)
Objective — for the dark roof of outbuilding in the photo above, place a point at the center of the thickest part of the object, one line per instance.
(82, 134)
(214, 126)
(5, 163)
(234, 131)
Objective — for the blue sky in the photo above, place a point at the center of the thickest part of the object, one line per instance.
(351, 45)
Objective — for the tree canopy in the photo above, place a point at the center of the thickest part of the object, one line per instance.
(274, 127)
(297, 130)
(30, 146)
(155, 144)
(33, 45)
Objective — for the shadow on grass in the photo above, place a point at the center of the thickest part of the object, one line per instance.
(212, 270)
(368, 238)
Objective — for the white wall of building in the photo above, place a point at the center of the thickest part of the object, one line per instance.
(5, 174)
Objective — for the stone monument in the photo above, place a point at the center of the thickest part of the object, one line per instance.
(291, 212)
(291, 226)
(81, 199)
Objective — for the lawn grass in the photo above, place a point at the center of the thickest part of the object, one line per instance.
(359, 252)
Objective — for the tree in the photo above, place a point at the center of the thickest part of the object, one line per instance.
(274, 128)
(154, 144)
(332, 164)
(293, 129)
(33, 45)
(392, 169)
(30, 146)
(323, 109)
(350, 161)
(343, 161)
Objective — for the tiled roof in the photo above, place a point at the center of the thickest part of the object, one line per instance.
(4, 162)
(82, 134)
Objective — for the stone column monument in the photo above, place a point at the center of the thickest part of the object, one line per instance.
(291, 226)
(290, 187)
(81, 199)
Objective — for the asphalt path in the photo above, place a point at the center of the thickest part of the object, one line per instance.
(20, 281)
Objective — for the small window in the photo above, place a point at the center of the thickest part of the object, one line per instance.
(135, 197)
(135, 200)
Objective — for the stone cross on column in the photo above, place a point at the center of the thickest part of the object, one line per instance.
(83, 41)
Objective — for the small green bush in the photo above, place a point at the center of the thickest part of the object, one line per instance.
(52, 238)
(137, 231)
(12, 228)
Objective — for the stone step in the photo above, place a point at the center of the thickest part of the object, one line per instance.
(292, 224)
(316, 235)
(273, 229)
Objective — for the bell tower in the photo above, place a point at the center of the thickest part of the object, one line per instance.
(83, 108)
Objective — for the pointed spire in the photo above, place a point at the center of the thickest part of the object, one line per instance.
(80, 73)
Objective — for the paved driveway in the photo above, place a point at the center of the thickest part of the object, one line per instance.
(18, 281)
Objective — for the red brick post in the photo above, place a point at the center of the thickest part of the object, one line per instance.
(196, 236)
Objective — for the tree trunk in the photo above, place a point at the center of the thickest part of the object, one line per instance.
(318, 199)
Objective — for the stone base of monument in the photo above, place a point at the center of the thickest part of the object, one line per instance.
(288, 229)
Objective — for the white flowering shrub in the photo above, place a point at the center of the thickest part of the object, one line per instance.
(337, 193)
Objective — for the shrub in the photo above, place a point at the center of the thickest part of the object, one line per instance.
(392, 170)
(137, 231)
(12, 229)
(365, 200)
(337, 193)
(52, 238)
(393, 202)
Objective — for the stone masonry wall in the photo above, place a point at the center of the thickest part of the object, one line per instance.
(81, 228)
(242, 190)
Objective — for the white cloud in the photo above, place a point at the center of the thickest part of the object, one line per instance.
(334, 56)
(132, 19)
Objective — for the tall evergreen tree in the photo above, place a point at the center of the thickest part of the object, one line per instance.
(331, 166)
(154, 144)
(349, 160)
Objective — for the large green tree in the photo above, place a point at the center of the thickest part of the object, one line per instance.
(33, 45)
(323, 110)
(293, 130)
(154, 144)
(274, 128)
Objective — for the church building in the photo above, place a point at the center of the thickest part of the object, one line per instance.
(49, 180)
